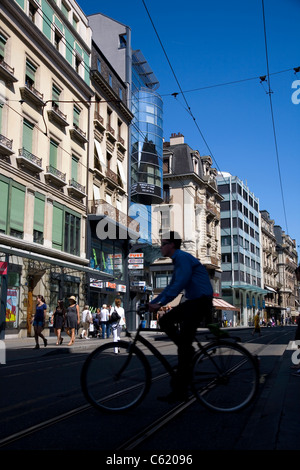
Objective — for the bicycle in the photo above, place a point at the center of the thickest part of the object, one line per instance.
(116, 377)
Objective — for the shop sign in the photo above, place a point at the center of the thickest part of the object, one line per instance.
(3, 268)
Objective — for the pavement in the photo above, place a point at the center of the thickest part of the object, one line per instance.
(274, 422)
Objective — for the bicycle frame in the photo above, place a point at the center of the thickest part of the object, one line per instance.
(139, 338)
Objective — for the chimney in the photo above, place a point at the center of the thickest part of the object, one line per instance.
(176, 139)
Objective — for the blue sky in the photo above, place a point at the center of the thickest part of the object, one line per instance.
(210, 44)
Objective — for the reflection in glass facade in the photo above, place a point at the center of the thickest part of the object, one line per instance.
(146, 140)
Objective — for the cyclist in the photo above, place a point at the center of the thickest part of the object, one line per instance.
(192, 277)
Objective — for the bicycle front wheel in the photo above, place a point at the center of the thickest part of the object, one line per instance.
(116, 377)
(225, 377)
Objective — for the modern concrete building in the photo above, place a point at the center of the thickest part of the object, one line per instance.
(242, 274)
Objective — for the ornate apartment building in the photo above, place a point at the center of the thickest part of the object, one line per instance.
(270, 267)
(287, 282)
(191, 206)
(45, 95)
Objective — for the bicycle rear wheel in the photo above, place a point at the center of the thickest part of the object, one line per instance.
(225, 377)
(115, 382)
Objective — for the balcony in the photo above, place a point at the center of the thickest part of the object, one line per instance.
(110, 134)
(121, 144)
(7, 72)
(103, 208)
(5, 146)
(78, 134)
(76, 189)
(112, 176)
(29, 161)
(57, 117)
(54, 176)
(29, 93)
(99, 122)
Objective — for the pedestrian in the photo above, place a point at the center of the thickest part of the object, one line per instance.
(72, 319)
(117, 326)
(86, 318)
(256, 324)
(104, 316)
(191, 276)
(38, 321)
(58, 322)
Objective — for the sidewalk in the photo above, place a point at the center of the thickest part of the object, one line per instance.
(23, 348)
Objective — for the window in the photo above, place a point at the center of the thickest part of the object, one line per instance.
(74, 169)
(65, 10)
(30, 73)
(110, 80)
(57, 39)
(166, 165)
(38, 221)
(99, 65)
(120, 93)
(2, 47)
(76, 116)
(12, 207)
(66, 229)
(53, 153)
(32, 11)
(27, 135)
(122, 41)
(56, 92)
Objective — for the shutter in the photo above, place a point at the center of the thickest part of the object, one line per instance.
(57, 228)
(27, 135)
(39, 212)
(76, 114)
(17, 208)
(53, 153)
(3, 206)
(2, 46)
(55, 93)
(74, 168)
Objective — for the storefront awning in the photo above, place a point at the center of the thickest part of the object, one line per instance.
(220, 304)
(270, 289)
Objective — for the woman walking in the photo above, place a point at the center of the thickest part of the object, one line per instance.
(58, 322)
(38, 321)
(72, 319)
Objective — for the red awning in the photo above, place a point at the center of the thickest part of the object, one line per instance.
(220, 304)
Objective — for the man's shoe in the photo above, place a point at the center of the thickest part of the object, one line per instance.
(174, 397)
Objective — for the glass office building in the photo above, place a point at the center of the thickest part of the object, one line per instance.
(146, 142)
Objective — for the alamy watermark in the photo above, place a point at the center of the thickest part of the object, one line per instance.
(296, 354)
(296, 93)
(2, 353)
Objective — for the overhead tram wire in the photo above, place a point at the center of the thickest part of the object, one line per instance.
(272, 114)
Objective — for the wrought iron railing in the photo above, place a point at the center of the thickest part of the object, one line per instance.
(55, 172)
(29, 156)
(5, 141)
(76, 185)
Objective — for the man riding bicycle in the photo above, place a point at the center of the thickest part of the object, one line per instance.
(192, 277)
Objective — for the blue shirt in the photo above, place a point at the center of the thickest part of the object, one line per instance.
(189, 275)
(39, 312)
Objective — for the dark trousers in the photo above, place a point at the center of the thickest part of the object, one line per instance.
(189, 316)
